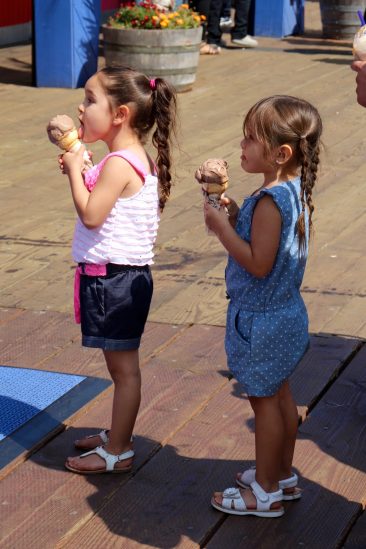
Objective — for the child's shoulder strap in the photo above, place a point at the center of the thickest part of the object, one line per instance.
(132, 159)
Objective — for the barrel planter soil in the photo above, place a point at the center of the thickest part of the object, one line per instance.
(172, 54)
(339, 17)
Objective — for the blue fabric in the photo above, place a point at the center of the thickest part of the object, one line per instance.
(267, 322)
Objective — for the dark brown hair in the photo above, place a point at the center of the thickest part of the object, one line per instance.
(155, 104)
(283, 119)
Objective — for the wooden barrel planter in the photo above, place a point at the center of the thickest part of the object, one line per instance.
(339, 17)
(168, 53)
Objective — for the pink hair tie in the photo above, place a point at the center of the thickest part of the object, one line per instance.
(152, 84)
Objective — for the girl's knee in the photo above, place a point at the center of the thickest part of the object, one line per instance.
(262, 403)
(123, 364)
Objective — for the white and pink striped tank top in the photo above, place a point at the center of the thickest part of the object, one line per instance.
(128, 234)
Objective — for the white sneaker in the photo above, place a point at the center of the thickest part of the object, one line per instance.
(246, 42)
(226, 22)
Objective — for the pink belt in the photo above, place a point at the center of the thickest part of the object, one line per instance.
(89, 269)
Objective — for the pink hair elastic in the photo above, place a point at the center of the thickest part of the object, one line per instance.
(152, 84)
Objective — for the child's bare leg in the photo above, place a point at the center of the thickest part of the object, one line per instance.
(125, 372)
(290, 420)
(269, 440)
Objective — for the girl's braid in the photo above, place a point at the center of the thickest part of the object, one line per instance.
(309, 167)
(164, 110)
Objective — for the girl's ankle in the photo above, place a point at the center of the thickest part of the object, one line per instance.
(117, 449)
(268, 486)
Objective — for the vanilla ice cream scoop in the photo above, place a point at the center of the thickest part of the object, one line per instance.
(62, 132)
(213, 177)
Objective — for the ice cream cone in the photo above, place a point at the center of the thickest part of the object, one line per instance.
(212, 176)
(62, 132)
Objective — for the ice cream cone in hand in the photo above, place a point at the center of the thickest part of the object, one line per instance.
(213, 177)
(62, 132)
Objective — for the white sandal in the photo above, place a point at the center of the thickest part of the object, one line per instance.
(110, 462)
(248, 476)
(103, 435)
(234, 504)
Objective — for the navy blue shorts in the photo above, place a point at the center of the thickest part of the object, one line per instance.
(114, 307)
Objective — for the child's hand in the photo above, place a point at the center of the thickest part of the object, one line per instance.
(215, 219)
(72, 161)
(232, 209)
(230, 205)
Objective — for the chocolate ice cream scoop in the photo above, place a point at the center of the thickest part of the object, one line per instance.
(213, 177)
(62, 132)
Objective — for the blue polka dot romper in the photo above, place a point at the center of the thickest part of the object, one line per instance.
(267, 322)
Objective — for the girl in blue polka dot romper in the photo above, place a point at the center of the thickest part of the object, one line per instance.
(267, 323)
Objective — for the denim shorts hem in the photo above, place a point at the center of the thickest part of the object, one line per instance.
(111, 344)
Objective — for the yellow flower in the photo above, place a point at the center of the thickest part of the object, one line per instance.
(203, 18)
(184, 6)
(179, 21)
(197, 18)
(163, 16)
(164, 23)
(155, 18)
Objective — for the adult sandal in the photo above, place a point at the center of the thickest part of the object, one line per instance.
(110, 462)
(245, 479)
(234, 504)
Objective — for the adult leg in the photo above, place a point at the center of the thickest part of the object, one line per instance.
(213, 24)
(125, 372)
(202, 7)
(226, 9)
(239, 33)
(240, 29)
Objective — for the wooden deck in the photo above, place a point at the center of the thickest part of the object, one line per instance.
(195, 428)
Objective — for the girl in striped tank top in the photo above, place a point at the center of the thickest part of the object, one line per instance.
(118, 203)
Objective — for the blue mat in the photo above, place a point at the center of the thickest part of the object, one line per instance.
(34, 403)
(24, 393)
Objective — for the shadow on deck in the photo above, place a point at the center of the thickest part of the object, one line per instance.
(194, 432)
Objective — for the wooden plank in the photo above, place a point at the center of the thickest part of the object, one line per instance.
(173, 489)
(350, 318)
(76, 360)
(319, 367)
(202, 457)
(9, 315)
(52, 331)
(330, 457)
(357, 537)
(176, 385)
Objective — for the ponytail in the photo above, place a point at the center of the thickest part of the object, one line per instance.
(164, 109)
